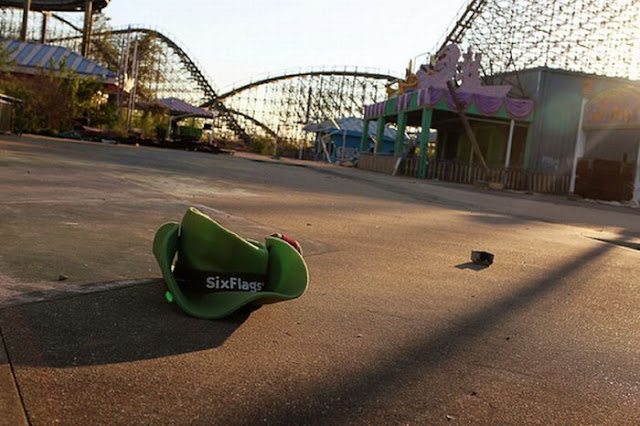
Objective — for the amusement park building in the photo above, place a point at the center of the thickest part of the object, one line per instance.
(558, 97)
(581, 134)
(37, 63)
(586, 129)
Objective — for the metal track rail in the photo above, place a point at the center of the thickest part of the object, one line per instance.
(354, 73)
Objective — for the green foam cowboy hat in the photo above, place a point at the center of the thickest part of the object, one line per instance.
(217, 271)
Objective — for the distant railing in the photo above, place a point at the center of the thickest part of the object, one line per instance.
(458, 172)
(512, 178)
(381, 163)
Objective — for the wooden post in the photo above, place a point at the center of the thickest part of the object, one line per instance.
(578, 150)
(25, 20)
(43, 29)
(509, 144)
(86, 31)
(468, 130)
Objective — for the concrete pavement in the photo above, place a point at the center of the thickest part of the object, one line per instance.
(544, 207)
(395, 328)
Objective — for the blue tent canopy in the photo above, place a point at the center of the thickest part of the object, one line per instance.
(351, 126)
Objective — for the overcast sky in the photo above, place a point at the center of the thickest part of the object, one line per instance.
(236, 40)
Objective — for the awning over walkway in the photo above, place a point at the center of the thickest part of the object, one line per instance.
(438, 98)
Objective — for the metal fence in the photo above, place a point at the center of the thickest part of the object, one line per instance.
(459, 172)
(512, 178)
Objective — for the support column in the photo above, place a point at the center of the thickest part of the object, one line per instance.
(579, 148)
(379, 134)
(365, 136)
(509, 144)
(86, 31)
(25, 20)
(43, 32)
(402, 125)
(424, 141)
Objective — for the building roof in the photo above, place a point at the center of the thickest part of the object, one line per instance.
(353, 126)
(545, 69)
(32, 58)
(180, 107)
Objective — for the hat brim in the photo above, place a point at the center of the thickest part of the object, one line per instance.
(288, 278)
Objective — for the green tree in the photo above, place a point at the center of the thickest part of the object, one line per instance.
(55, 100)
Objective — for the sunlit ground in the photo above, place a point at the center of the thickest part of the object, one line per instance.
(396, 327)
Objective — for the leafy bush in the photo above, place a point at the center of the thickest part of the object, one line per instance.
(54, 103)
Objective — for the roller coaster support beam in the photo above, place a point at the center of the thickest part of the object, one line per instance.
(25, 20)
(86, 31)
(43, 29)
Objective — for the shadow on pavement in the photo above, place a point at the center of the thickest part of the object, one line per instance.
(472, 266)
(366, 387)
(627, 244)
(130, 324)
(498, 219)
